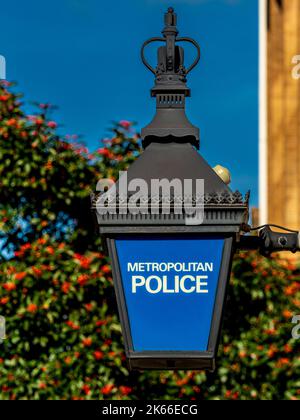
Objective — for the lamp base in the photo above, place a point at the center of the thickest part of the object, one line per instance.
(172, 361)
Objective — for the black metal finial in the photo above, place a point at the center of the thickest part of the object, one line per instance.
(170, 85)
(170, 70)
(170, 17)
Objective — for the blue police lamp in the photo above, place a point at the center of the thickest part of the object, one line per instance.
(171, 226)
(170, 272)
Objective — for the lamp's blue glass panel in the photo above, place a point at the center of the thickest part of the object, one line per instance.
(170, 287)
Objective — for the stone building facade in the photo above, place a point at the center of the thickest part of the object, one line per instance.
(283, 113)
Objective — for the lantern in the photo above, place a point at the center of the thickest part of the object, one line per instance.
(171, 249)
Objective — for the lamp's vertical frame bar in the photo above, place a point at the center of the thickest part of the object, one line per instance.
(219, 306)
(121, 301)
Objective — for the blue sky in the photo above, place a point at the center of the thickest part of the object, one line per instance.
(83, 56)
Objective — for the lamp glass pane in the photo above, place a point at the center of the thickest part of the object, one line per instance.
(170, 286)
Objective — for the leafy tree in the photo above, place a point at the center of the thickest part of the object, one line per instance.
(63, 335)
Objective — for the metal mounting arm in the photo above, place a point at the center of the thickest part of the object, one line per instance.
(269, 241)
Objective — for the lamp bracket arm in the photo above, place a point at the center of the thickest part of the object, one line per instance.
(269, 241)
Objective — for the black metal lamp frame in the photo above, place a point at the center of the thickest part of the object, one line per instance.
(172, 360)
(170, 141)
